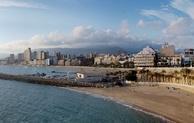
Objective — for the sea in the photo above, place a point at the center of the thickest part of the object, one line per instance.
(22, 102)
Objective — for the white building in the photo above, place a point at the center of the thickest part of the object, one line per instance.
(27, 55)
(145, 58)
(88, 77)
(106, 59)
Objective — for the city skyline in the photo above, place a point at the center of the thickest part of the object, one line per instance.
(84, 23)
(165, 56)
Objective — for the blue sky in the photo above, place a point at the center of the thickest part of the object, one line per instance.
(81, 23)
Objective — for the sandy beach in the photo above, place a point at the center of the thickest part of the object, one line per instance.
(174, 104)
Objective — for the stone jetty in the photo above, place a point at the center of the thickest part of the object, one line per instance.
(52, 82)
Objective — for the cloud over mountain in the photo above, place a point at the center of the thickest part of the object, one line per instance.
(80, 36)
(173, 23)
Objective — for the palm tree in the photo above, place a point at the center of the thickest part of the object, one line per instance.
(186, 74)
(142, 74)
(163, 74)
(148, 73)
(192, 77)
(157, 76)
(176, 73)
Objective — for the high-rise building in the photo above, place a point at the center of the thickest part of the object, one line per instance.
(34, 55)
(45, 55)
(60, 56)
(20, 57)
(41, 55)
(11, 59)
(27, 55)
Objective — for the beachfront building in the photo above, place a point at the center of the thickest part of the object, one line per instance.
(98, 59)
(106, 59)
(53, 60)
(167, 50)
(41, 55)
(188, 57)
(20, 58)
(61, 62)
(176, 60)
(168, 57)
(75, 62)
(27, 55)
(3, 62)
(145, 58)
(39, 58)
(170, 61)
(34, 55)
(109, 59)
(11, 59)
(121, 60)
(68, 62)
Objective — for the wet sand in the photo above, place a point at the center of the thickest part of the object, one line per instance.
(176, 105)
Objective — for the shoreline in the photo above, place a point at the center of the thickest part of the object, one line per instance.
(170, 105)
(120, 102)
(175, 104)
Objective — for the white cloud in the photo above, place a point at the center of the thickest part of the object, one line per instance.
(180, 32)
(37, 41)
(141, 23)
(181, 26)
(21, 4)
(83, 31)
(160, 14)
(80, 36)
(177, 25)
(186, 6)
(124, 28)
(151, 25)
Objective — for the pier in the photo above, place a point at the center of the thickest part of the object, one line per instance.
(52, 82)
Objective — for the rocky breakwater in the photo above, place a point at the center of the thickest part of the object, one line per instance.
(48, 81)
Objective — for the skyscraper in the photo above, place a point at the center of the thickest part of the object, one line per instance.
(27, 55)
(20, 57)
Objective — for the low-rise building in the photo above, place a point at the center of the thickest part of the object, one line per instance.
(170, 61)
(98, 60)
(68, 62)
(106, 59)
(75, 62)
(3, 62)
(61, 62)
(188, 57)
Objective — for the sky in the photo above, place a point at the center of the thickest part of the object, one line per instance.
(85, 23)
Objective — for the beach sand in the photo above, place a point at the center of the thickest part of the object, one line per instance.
(176, 105)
